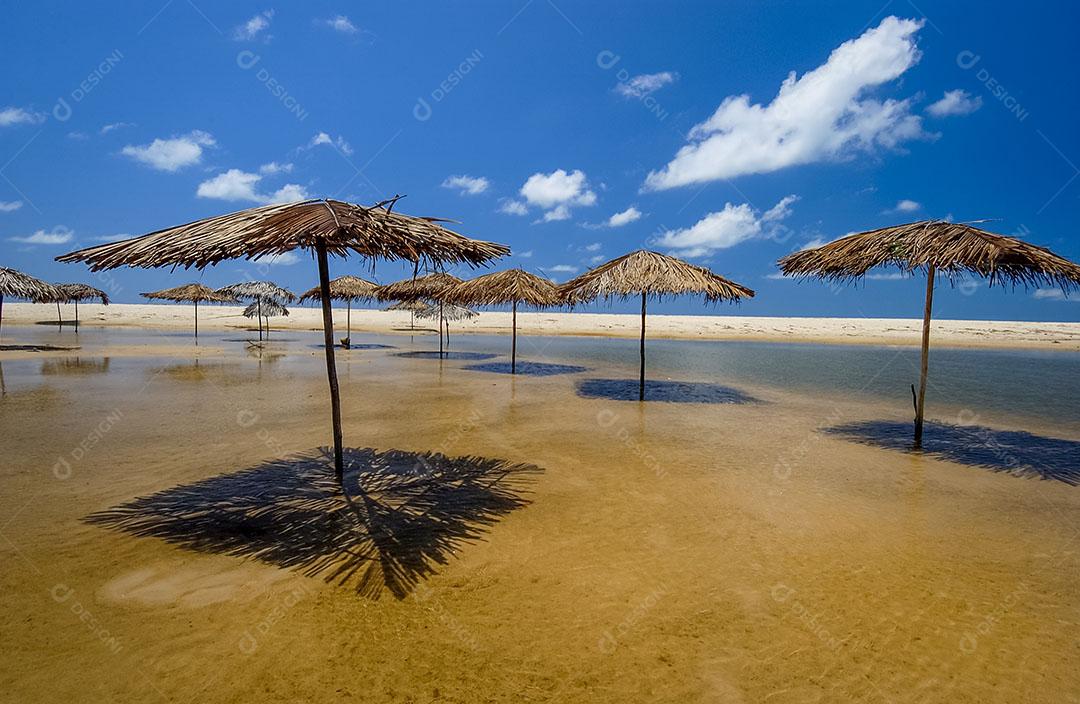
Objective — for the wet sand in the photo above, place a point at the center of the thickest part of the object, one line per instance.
(868, 331)
(674, 552)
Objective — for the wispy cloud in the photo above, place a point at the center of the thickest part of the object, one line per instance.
(322, 138)
(646, 83)
(58, 235)
(112, 126)
(11, 116)
(725, 228)
(342, 24)
(171, 154)
(954, 102)
(254, 27)
(821, 116)
(905, 206)
(1054, 294)
(10, 206)
(467, 185)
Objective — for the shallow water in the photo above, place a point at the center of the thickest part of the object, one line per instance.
(577, 549)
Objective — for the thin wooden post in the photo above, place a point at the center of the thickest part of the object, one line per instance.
(924, 367)
(440, 330)
(1, 310)
(196, 320)
(76, 316)
(259, 317)
(513, 343)
(331, 365)
(641, 381)
(348, 320)
(59, 318)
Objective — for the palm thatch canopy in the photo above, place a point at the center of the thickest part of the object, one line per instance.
(951, 248)
(344, 288)
(651, 274)
(450, 312)
(75, 293)
(189, 293)
(410, 306)
(266, 307)
(430, 286)
(16, 284)
(501, 287)
(253, 290)
(268, 230)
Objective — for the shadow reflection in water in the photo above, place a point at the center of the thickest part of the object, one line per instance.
(666, 391)
(1012, 451)
(74, 365)
(396, 515)
(426, 354)
(527, 368)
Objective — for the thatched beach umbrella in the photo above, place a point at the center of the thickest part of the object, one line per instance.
(15, 284)
(512, 286)
(73, 293)
(413, 307)
(934, 246)
(430, 287)
(323, 226)
(345, 288)
(644, 273)
(259, 292)
(447, 312)
(189, 293)
(265, 307)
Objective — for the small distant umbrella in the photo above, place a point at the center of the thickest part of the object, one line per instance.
(413, 307)
(73, 293)
(259, 292)
(15, 284)
(323, 226)
(934, 246)
(348, 289)
(430, 287)
(190, 293)
(448, 312)
(267, 307)
(644, 273)
(512, 286)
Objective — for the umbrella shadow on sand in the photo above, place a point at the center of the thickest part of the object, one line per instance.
(527, 368)
(396, 516)
(666, 391)
(1013, 451)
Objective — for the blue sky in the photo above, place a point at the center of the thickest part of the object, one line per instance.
(730, 134)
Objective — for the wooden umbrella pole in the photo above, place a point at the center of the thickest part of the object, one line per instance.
(331, 366)
(513, 343)
(196, 319)
(1, 310)
(59, 319)
(259, 316)
(440, 331)
(924, 367)
(641, 381)
(348, 320)
(76, 316)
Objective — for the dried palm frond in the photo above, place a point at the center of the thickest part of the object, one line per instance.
(951, 248)
(409, 306)
(16, 284)
(374, 232)
(189, 293)
(429, 286)
(266, 307)
(344, 288)
(72, 293)
(501, 287)
(253, 290)
(651, 274)
(449, 312)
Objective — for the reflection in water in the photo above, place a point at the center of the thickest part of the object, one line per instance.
(667, 391)
(74, 365)
(36, 348)
(400, 514)
(1013, 451)
(425, 354)
(527, 368)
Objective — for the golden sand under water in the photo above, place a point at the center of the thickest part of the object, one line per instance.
(662, 552)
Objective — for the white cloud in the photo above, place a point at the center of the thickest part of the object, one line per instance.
(106, 129)
(725, 228)
(593, 261)
(888, 276)
(283, 259)
(237, 185)
(525, 255)
(171, 154)
(821, 116)
(18, 116)
(58, 235)
(955, 102)
(814, 243)
(905, 206)
(562, 269)
(1054, 294)
(513, 207)
(342, 24)
(467, 185)
(113, 238)
(275, 168)
(640, 86)
(594, 247)
(557, 192)
(10, 206)
(251, 29)
(77, 135)
(339, 142)
(624, 218)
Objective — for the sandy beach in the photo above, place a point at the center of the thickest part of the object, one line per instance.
(869, 331)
